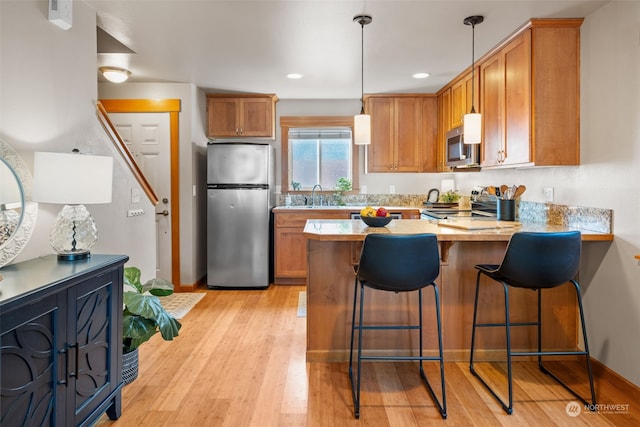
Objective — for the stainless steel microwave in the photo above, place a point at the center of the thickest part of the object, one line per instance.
(459, 154)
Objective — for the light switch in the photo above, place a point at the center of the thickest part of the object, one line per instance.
(135, 195)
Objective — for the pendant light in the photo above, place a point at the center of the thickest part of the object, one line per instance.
(362, 121)
(473, 121)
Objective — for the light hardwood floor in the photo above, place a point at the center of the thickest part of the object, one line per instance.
(240, 361)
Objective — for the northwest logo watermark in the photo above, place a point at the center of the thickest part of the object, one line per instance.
(573, 409)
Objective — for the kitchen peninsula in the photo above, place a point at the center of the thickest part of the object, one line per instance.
(334, 248)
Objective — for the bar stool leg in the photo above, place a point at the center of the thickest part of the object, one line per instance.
(585, 353)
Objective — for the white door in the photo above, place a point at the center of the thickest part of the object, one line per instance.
(147, 135)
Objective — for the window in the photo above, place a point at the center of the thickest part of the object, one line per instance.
(317, 150)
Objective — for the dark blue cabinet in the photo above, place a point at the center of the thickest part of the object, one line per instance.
(61, 341)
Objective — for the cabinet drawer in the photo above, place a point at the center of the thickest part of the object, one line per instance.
(299, 219)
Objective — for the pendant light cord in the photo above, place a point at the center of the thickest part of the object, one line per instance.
(362, 69)
(473, 68)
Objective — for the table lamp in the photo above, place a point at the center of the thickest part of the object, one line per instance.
(75, 180)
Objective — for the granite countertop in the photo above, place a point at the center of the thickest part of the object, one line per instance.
(355, 230)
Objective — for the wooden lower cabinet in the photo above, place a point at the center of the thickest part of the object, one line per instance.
(291, 244)
(290, 260)
(61, 341)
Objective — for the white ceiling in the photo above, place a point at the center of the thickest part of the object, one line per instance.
(250, 46)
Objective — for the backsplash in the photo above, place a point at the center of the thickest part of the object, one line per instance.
(586, 218)
(412, 200)
(592, 219)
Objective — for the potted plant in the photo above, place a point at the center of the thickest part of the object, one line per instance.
(143, 317)
(343, 185)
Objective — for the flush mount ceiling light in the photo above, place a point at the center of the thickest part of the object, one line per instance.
(473, 121)
(294, 76)
(420, 75)
(362, 122)
(115, 74)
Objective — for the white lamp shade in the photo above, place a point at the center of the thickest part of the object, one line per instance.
(472, 128)
(72, 179)
(362, 129)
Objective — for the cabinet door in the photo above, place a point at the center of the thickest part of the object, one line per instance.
(408, 134)
(34, 369)
(492, 106)
(222, 117)
(517, 102)
(429, 135)
(291, 258)
(444, 125)
(256, 117)
(95, 306)
(458, 102)
(381, 151)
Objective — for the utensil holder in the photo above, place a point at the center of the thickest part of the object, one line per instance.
(506, 210)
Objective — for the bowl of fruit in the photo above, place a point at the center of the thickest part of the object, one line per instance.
(375, 217)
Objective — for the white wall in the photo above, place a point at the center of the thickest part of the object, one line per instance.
(192, 143)
(48, 86)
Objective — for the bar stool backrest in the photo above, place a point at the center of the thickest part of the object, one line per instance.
(541, 260)
(399, 263)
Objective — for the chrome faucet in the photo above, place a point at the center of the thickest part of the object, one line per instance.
(313, 194)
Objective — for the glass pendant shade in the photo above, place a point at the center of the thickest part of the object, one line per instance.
(472, 128)
(73, 180)
(362, 129)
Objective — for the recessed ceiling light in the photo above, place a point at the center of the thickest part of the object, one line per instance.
(420, 75)
(294, 76)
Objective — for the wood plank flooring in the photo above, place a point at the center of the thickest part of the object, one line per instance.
(240, 361)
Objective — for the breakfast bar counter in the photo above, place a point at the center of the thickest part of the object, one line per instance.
(334, 248)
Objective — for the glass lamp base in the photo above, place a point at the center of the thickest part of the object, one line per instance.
(74, 233)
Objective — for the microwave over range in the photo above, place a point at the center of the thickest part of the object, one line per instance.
(459, 154)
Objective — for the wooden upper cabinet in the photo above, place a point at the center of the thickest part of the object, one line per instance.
(530, 88)
(241, 116)
(444, 124)
(461, 93)
(397, 138)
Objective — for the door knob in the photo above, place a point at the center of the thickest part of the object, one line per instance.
(164, 213)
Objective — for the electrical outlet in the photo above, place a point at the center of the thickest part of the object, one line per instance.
(363, 189)
(392, 189)
(548, 194)
(135, 212)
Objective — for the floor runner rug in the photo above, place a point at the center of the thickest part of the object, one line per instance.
(179, 303)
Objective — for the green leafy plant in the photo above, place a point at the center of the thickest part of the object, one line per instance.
(143, 315)
(450, 196)
(342, 186)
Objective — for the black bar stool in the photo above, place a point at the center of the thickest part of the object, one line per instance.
(397, 263)
(534, 261)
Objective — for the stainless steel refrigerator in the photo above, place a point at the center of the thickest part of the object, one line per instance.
(241, 195)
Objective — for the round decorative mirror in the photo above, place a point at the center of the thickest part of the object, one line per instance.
(17, 211)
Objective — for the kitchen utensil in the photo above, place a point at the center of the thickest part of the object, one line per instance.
(491, 190)
(521, 189)
(503, 190)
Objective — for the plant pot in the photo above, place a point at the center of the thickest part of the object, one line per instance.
(130, 366)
